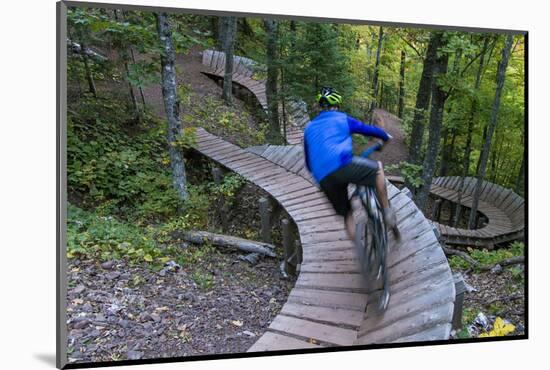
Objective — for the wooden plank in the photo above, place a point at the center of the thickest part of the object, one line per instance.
(278, 342)
(307, 329)
(323, 237)
(437, 332)
(328, 298)
(424, 320)
(331, 267)
(405, 305)
(294, 193)
(294, 202)
(345, 282)
(311, 255)
(328, 315)
(332, 245)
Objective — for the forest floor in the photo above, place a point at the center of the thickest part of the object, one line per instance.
(219, 304)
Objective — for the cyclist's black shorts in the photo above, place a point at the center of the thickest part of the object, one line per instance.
(360, 171)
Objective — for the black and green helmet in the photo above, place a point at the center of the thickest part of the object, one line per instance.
(329, 97)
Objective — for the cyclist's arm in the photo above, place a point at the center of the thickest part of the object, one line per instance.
(358, 127)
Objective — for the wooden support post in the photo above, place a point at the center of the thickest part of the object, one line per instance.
(217, 175)
(288, 247)
(460, 288)
(265, 220)
(436, 211)
(452, 212)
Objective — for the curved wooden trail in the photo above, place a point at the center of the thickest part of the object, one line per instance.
(244, 75)
(330, 304)
(503, 208)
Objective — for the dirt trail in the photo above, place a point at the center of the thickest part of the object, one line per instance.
(396, 150)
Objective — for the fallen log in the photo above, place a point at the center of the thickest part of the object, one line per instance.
(506, 262)
(226, 241)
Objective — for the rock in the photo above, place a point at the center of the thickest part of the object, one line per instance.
(249, 334)
(162, 272)
(108, 265)
(189, 297)
(481, 321)
(155, 317)
(112, 275)
(87, 307)
(172, 266)
(134, 355)
(497, 269)
(79, 289)
(81, 324)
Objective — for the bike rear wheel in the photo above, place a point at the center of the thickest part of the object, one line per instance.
(373, 246)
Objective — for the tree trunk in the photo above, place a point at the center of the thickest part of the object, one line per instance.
(521, 175)
(124, 56)
(439, 96)
(501, 75)
(401, 104)
(376, 67)
(228, 48)
(88, 71)
(468, 144)
(171, 104)
(423, 101)
(271, 27)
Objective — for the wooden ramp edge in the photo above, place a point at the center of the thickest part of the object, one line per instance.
(330, 304)
(244, 75)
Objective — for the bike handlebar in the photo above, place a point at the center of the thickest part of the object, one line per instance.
(376, 146)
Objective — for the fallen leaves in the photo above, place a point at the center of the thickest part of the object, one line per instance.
(237, 323)
(500, 329)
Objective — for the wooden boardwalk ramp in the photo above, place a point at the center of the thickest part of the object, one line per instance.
(503, 208)
(330, 304)
(244, 75)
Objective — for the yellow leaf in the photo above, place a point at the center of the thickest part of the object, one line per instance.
(148, 258)
(238, 323)
(500, 329)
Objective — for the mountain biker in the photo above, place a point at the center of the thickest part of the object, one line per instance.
(329, 158)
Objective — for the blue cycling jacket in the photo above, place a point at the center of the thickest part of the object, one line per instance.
(327, 141)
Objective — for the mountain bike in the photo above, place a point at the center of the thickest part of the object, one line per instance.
(372, 242)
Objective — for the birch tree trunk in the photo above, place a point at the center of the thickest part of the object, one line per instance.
(228, 48)
(271, 27)
(401, 103)
(171, 104)
(501, 75)
(439, 96)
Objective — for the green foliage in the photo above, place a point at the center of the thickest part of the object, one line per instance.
(204, 281)
(318, 59)
(411, 173)
(128, 174)
(216, 117)
(486, 258)
(103, 237)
